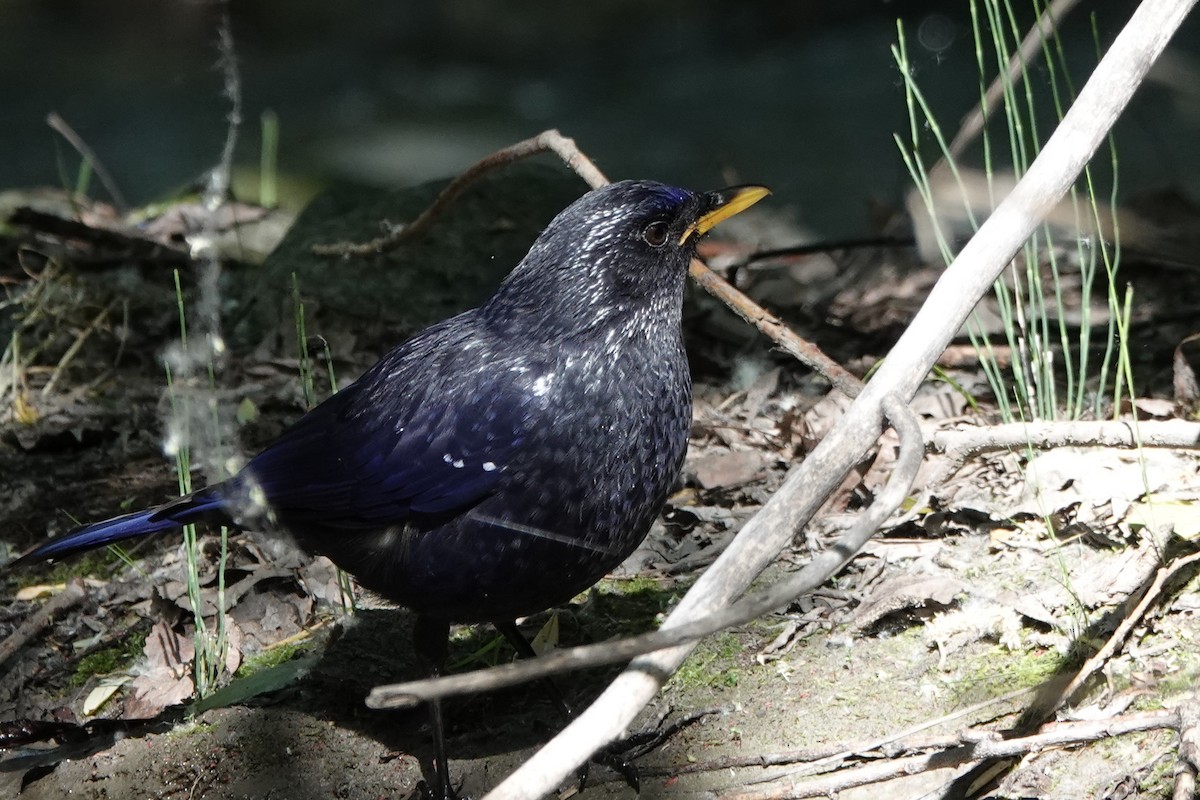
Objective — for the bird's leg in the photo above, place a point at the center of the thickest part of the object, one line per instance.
(431, 638)
(525, 650)
(626, 769)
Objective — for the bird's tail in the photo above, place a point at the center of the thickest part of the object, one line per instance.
(204, 504)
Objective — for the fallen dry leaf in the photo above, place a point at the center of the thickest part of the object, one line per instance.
(167, 679)
(723, 470)
(906, 593)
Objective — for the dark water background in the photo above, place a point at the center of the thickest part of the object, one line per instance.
(802, 96)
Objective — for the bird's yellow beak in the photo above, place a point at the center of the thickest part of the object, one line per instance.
(724, 204)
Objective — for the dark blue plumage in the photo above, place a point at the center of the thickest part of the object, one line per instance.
(503, 460)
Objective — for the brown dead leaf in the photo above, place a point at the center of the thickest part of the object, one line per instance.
(167, 679)
(319, 579)
(1187, 389)
(1117, 577)
(265, 617)
(1153, 407)
(722, 470)
(764, 386)
(906, 593)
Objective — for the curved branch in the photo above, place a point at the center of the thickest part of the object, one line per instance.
(815, 573)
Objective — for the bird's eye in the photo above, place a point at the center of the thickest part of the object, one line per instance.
(655, 234)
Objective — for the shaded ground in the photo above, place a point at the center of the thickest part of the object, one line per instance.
(991, 588)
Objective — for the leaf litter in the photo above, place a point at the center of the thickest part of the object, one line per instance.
(1013, 557)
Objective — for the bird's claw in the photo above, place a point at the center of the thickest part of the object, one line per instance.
(619, 756)
(424, 792)
(612, 759)
(609, 758)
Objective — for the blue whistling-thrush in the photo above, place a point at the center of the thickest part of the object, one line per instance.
(501, 461)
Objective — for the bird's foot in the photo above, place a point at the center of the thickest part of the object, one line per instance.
(447, 792)
(620, 755)
(613, 758)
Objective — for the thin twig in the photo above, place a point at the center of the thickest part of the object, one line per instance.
(231, 88)
(75, 347)
(546, 141)
(60, 126)
(203, 242)
(970, 748)
(69, 596)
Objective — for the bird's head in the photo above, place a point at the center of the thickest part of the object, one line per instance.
(617, 255)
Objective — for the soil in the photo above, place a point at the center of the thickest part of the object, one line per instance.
(959, 608)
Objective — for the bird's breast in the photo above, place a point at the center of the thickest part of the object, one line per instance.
(602, 443)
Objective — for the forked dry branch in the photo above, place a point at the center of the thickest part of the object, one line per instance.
(711, 600)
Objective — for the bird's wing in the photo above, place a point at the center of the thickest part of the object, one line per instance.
(386, 451)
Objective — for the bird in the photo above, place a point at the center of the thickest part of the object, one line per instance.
(500, 462)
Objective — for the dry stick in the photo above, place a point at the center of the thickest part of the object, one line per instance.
(1185, 784)
(550, 140)
(775, 329)
(960, 444)
(1150, 595)
(1188, 763)
(59, 125)
(816, 572)
(1057, 735)
(76, 345)
(961, 286)
(813, 760)
(72, 594)
(1042, 30)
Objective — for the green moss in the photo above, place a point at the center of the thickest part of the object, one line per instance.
(638, 584)
(713, 664)
(999, 671)
(189, 728)
(272, 657)
(625, 606)
(1158, 780)
(1178, 682)
(111, 659)
(95, 562)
